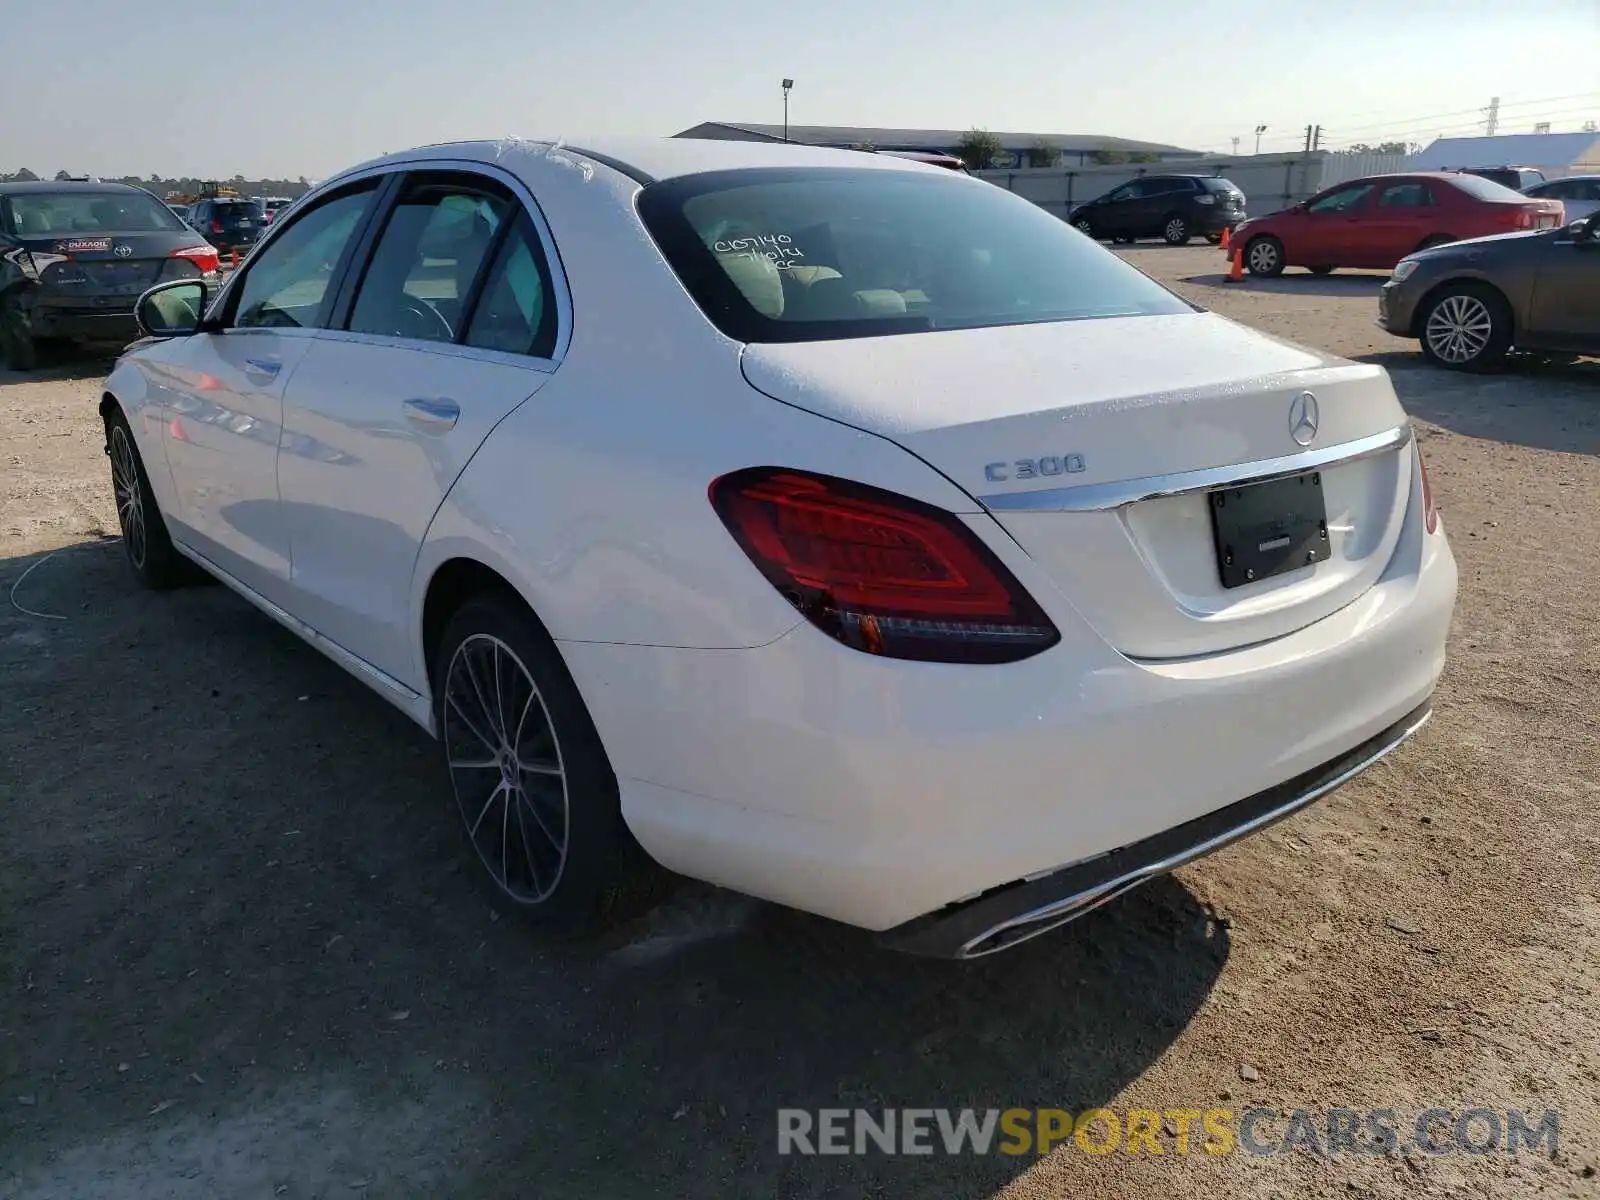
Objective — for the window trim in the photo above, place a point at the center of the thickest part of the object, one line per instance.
(226, 313)
(389, 171)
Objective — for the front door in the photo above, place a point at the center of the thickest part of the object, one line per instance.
(452, 328)
(225, 394)
(1114, 215)
(1565, 313)
(1332, 232)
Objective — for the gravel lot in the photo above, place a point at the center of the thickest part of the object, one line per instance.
(240, 955)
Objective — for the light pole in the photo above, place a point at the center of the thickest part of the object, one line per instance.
(1260, 129)
(787, 84)
(1236, 147)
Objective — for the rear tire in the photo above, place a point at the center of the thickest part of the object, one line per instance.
(1175, 229)
(17, 349)
(1083, 226)
(1124, 239)
(1466, 327)
(536, 796)
(145, 542)
(1264, 256)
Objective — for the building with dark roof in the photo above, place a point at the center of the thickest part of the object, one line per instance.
(1018, 148)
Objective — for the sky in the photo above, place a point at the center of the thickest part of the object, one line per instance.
(285, 88)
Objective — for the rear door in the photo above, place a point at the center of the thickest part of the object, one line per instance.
(451, 324)
(1565, 312)
(1405, 215)
(1334, 232)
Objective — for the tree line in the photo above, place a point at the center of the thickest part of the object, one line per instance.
(162, 186)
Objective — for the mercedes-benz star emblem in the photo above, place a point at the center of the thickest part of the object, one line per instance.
(1303, 419)
(123, 250)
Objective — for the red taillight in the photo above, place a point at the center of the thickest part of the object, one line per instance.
(204, 257)
(880, 572)
(1430, 514)
(216, 227)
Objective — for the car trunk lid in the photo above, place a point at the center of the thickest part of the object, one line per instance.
(107, 264)
(1072, 434)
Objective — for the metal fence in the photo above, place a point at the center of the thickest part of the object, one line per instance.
(1337, 168)
(1269, 181)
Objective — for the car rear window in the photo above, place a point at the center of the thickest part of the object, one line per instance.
(1222, 186)
(234, 210)
(1485, 189)
(40, 214)
(780, 255)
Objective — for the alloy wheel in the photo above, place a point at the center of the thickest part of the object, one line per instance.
(1177, 231)
(129, 495)
(1459, 329)
(1263, 257)
(506, 768)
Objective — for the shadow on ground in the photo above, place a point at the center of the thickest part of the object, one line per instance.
(241, 956)
(64, 360)
(1533, 402)
(1295, 282)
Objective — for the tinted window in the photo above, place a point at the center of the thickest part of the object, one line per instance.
(801, 255)
(286, 285)
(1405, 195)
(1222, 186)
(39, 214)
(432, 247)
(516, 311)
(1483, 189)
(1343, 200)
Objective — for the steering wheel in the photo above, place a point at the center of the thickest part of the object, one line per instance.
(421, 320)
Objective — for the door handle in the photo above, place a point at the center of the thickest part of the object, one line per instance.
(262, 366)
(434, 414)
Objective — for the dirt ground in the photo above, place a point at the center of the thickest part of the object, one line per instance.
(241, 956)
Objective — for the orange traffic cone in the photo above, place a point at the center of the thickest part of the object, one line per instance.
(1227, 238)
(1236, 274)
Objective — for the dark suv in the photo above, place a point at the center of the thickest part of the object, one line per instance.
(229, 223)
(1174, 207)
(1516, 178)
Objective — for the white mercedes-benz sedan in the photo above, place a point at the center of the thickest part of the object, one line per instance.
(828, 526)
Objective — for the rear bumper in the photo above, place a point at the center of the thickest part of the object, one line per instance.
(1013, 914)
(877, 791)
(110, 322)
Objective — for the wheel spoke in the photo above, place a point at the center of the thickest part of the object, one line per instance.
(525, 801)
(483, 705)
(527, 848)
(482, 764)
(487, 805)
(552, 769)
(489, 743)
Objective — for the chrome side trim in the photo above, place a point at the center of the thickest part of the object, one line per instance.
(1100, 497)
(1070, 908)
(356, 665)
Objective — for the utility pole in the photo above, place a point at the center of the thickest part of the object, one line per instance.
(1491, 124)
(1260, 129)
(1236, 147)
(1316, 138)
(1308, 139)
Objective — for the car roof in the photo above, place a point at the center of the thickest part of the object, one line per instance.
(649, 159)
(20, 188)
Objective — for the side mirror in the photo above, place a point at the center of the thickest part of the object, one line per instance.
(171, 309)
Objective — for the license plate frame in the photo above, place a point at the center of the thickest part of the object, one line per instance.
(1266, 529)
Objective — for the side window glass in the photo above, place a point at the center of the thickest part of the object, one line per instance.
(1406, 195)
(516, 311)
(288, 282)
(423, 268)
(1343, 200)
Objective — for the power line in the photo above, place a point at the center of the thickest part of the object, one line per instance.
(1421, 132)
